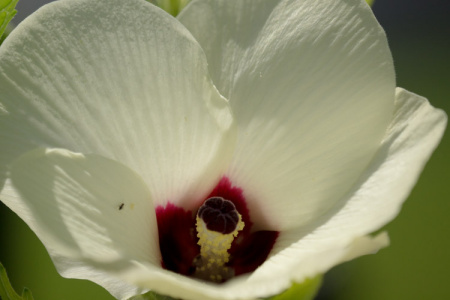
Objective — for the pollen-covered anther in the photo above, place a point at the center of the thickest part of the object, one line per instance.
(218, 223)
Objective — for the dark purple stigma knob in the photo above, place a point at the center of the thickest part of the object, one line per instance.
(219, 215)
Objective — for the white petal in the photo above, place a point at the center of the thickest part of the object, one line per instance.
(70, 268)
(339, 236)
(376, 199)
(295, 265)
(274, 277)
(311, 84)
(122, 79)
(85, 208)
(414, 133)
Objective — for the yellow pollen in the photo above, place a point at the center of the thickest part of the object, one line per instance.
(214, 252)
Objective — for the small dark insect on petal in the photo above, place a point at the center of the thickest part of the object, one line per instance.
(121, 206)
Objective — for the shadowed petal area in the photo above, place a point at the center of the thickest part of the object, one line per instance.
(121, 79)
(85, 208)
(251, 251)
(311, 84)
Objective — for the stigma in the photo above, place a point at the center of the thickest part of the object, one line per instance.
(218, 223)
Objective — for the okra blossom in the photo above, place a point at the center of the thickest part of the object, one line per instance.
(224, 154)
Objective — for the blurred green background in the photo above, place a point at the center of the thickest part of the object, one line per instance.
(415, 266)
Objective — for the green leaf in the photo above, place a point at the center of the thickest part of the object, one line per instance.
(26, 294)
(6, 290)
(173, 7)
(306, 290)
(7, 12)
(7, 31)
(370, 2)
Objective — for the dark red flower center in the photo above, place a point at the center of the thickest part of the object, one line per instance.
(178, 237)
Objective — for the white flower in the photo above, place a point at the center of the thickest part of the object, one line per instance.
(109, 111)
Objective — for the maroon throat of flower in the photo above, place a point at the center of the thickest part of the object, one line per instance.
(214, 243)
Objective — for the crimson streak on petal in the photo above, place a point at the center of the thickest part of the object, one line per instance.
(177, 239)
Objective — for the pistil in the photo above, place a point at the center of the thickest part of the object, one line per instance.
(218, 224)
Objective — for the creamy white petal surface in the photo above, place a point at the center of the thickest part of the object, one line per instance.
(85, 208)
(107, 110)
(124, 87)
(127, 82)
(339, 236)
(376, 199)
(311, 84)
